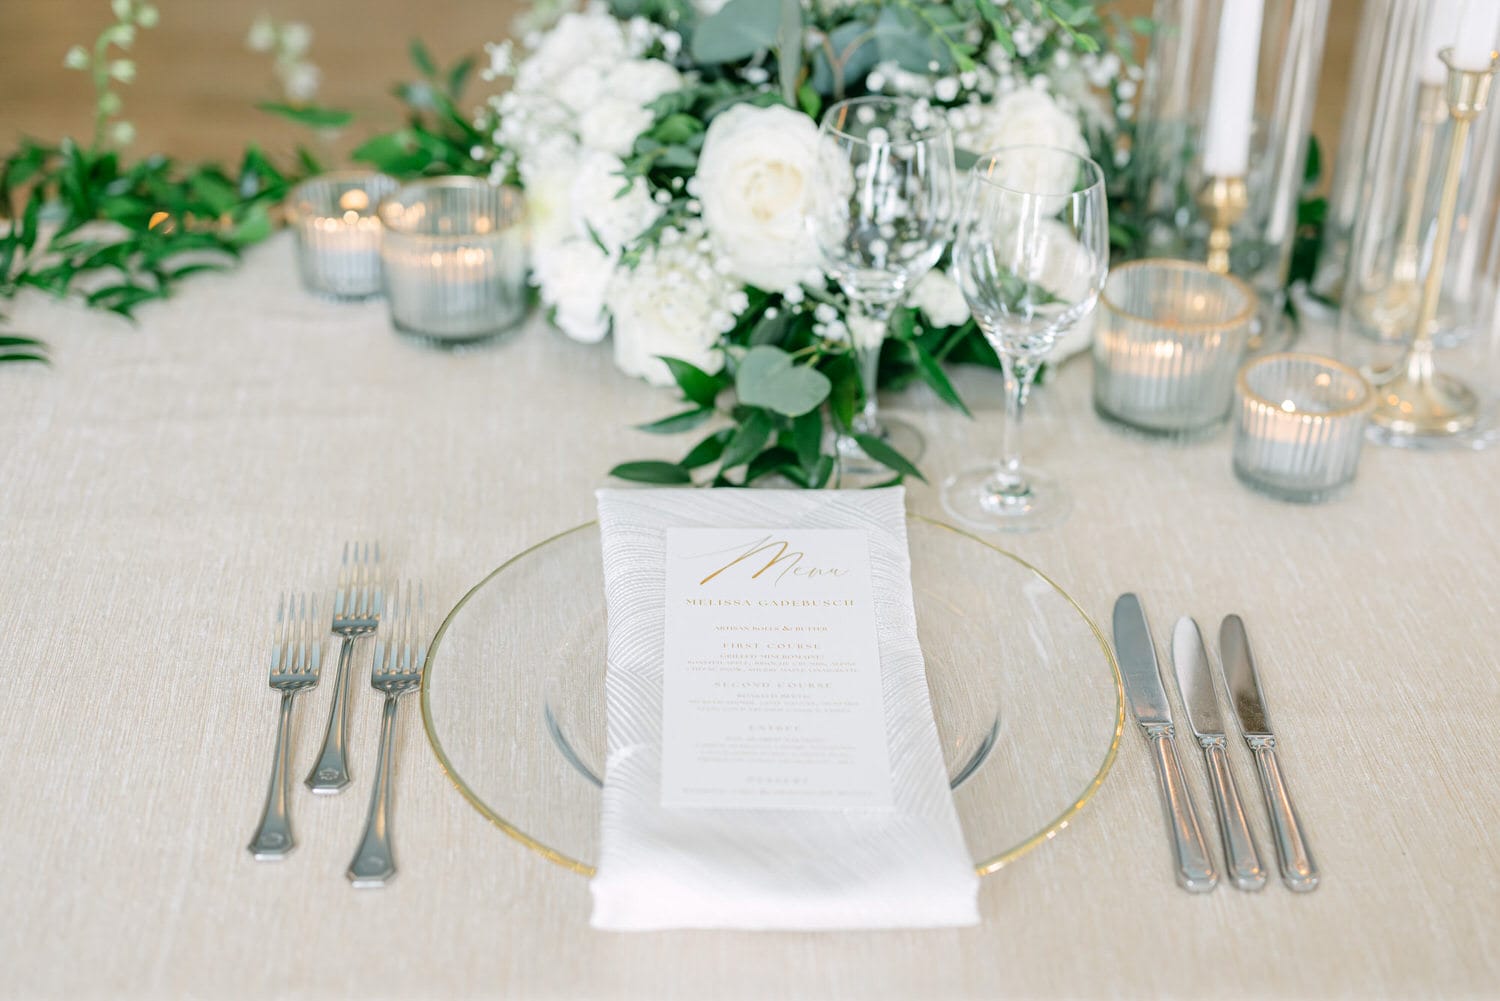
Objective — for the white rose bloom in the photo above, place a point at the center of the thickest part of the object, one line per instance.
(614, 121)
(673, 303)
(941, 299)
(599, 210)
(580, 87)
(1026, 117)
(753, 178)
(547, 174)
(573, 276)
(595, 38)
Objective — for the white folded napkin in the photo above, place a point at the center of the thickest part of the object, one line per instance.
(769, 868)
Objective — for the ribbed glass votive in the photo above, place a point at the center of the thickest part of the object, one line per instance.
(1170, 337)
(1301, 424)
(338, 235)
(454, 255)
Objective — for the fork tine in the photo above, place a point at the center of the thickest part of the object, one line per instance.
(421, 627)
(277, 633)
(317, 645)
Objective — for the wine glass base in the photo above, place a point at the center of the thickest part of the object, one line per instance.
(980, 499)
(856, 469)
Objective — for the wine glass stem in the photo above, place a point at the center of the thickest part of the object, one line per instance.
(1019, 371)
(865, 320)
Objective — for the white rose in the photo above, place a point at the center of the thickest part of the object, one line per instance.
(595, 38)
(573, 276)
(673, 303)
(547, 173)
(1027, 117)
(753, 178)
(613, 122)
(941, 299)
(600, 211)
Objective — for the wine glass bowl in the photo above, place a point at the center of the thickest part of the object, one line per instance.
(881, 215)
(1031, 258)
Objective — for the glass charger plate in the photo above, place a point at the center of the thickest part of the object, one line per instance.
(1025, 690)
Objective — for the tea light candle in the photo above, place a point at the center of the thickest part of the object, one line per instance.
(1301, 426)
(1169, 339)
(454, 259)
(338, 235)
(1231, 107)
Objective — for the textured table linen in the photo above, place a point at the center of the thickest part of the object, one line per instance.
(161, 483)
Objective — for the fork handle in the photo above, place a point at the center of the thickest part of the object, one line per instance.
(273, 838)
(373, 862)
(331, 772)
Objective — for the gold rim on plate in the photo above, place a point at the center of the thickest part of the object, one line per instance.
(983, 867)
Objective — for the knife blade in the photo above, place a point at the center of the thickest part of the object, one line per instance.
(1195, 681)
(1298, 870)
(1148, 701)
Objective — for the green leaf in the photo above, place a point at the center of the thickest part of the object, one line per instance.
(887, 456)
(739, 30)
(651, 472)
(685, 421)
(807, 439)
(458, 76)
(697, 385)
(422, 59)
(310, 115)
(772, 460)
(932, 373)
(749, 438)
(843, 398)
(767, 377)
(789, 49)
(708, 450)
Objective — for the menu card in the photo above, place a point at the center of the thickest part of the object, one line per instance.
(771, 681)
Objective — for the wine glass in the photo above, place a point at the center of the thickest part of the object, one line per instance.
(881, 212)
(1031, 257)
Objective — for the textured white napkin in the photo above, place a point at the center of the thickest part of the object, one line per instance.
(784, 869)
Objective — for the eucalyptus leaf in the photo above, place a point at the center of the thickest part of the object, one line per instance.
(740, 29)
(768, 377)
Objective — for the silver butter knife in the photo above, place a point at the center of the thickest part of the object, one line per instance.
(1148, 700)
(1196, 682)
(1298, 870)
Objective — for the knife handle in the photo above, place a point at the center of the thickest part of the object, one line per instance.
(1240, 856)
(1298, 871)
(1195, 870)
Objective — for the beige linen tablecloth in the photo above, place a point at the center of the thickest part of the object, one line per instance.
(160, 484)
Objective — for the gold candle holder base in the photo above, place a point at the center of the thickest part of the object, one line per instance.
(1224, 201)
(1413, 400)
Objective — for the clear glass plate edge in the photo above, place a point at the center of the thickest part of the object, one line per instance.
(983, 867)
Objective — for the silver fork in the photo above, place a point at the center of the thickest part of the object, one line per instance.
(396, 670)
(295, 660)
(356, 612)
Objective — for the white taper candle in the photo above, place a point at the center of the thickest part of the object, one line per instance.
(1474, 46)
(1442, 25)
(1231, 106)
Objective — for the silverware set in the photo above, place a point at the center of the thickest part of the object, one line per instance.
(1195, 677)
(359, 609)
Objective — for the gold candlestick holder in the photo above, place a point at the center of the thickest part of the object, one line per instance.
(1224, 201)
(1414, 400)
(1391, 311)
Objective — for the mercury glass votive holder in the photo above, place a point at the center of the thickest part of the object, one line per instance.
(1169, 339)
(1301, 425)
(454, 256)
(338, 234)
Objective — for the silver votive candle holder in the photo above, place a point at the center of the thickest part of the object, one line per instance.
(1300, 427)
(454, 255)
(338, 233)
(1169, 339)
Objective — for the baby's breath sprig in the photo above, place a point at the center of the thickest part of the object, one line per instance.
(106, 70)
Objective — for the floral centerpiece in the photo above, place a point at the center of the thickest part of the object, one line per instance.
(665, 148)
